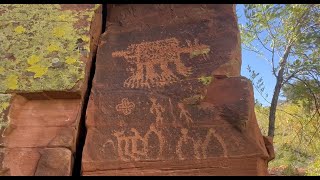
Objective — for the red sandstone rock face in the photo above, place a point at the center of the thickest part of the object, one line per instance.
(167, 99)
(156, 107)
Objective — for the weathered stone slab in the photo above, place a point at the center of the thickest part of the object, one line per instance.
(45, 113)
(39, 137)
(55, 162)
(35, 161)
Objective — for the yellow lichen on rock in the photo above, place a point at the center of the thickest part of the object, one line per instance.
(38, 70)
(33, 37)
(1, 70)
(12, 81)
(20, 29)
(33, 59)
(70, 60)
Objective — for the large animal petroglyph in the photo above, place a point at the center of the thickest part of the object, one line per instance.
(146, 56)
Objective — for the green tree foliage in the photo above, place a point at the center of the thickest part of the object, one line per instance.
(296, 140)
(289, 37)
(306, 91)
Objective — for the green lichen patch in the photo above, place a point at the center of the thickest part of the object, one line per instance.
(205, 80)
(43, 47)
(4, 106)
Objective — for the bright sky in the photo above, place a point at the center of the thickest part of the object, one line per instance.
(257, 64)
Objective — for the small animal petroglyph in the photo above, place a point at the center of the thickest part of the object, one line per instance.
(200, 146)
(125, 106)
(147, 55)
(127, 145)
(157, 110)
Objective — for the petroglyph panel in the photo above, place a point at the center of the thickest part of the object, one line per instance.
(179, 129)
(160, 128)
(151, 100)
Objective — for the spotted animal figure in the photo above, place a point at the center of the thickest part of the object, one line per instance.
(146, 56)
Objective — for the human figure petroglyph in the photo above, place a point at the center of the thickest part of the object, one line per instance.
(125, 106)
(127, 146)
(185, 114)
(200, 146)
(157, 110)
(147, 55)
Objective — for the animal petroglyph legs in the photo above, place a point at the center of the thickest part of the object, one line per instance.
(157, 110)
(136, 79)
(184, 113)
(151, 77)
(167, 75)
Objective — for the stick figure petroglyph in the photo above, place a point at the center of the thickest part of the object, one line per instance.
(157, 110)
(147, 55)
(184, 113)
